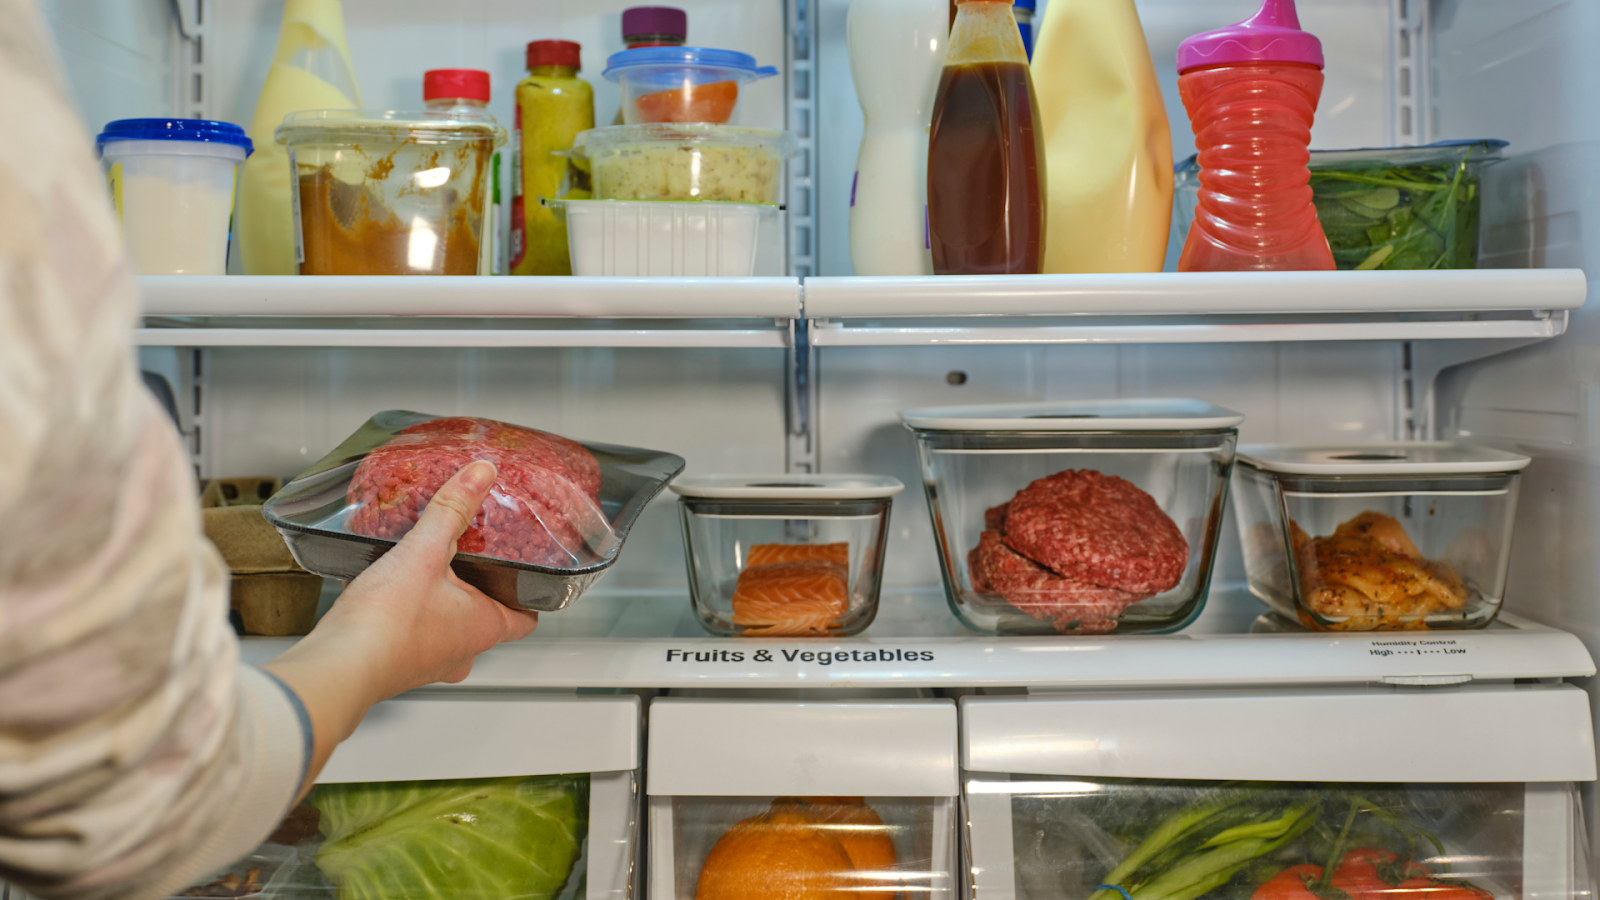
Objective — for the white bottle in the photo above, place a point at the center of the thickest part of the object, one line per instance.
(896, 56)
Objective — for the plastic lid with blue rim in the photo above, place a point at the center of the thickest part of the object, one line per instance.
(198, 130)
(742, 65)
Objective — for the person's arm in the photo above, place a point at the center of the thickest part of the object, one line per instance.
(136, 754)
(369, 648)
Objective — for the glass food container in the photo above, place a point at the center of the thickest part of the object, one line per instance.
(776, 798)
(407, 809)
(1388, 208)
(722, 163)
(682, 84)
(1277, 795)
(1081, 517)
(785, 555)
(390, 193)
(1365, 537)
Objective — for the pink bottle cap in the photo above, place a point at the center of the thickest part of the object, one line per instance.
(1271, 35)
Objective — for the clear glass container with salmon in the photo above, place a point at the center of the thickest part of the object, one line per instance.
(785, 555)
(1405, 536)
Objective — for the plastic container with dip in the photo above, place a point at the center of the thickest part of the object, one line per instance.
(1376, 537)
(390, 193)
(785, 555)
(171, 182)
(687, 162)
(682, 84)
(1082, 517)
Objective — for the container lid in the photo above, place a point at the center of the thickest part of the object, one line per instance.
(555, 53)
(203, 130)
(1271, 35)
(469, 84)
(1485, 149)
(788, 487)
(689, 57)
(655, 21)
(782, 143)
(1388, 458)
(1032, 5)
(1153, 414)
(397, 125)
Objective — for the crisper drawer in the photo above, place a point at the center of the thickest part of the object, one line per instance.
(801, 799)
(454, 795)
(1379, 794)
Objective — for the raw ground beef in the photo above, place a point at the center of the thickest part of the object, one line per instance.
(1075, 608)
(544, 508)
(1097, 529)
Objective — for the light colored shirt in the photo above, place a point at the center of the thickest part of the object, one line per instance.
(136, 754)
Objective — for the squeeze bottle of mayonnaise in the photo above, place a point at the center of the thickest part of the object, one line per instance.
(1107, 143)
(310, 70)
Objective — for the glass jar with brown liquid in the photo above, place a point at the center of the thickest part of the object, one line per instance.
(986, 204)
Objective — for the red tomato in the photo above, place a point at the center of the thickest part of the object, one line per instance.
(1290, 884)
(711, 102)
(1357, 874)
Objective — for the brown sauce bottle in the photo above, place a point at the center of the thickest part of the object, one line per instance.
(986, 209)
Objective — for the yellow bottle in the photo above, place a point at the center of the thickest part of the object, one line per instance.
(553, 105)
(310, 70)
(1107, 143)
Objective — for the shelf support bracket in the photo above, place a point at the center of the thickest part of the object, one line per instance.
(801, 390)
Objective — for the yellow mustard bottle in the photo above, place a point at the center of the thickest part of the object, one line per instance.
(310, 70)
(1108, 147)
(553, 105)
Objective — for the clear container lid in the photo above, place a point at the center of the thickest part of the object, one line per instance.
(782, 143)
(1388, 458)
(741, 65)
(459, 123)
(1480, 149)
(1151, 414)
(788, 487)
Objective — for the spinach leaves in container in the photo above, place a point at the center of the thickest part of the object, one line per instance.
(1396, 208)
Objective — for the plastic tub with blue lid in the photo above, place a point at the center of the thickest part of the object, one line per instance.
(683, 84)
(171, 182)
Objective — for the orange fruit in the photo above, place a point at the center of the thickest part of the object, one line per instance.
(865, 838)
(778, 855)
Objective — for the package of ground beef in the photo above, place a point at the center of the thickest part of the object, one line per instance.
(544, 507)
(556, 517)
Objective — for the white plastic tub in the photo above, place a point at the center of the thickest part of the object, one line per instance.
(656, 238)
(171, 182)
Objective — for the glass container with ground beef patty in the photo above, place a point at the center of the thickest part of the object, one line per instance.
(1376, 537)
(785, 555)
(390, 193)
(1076, 518)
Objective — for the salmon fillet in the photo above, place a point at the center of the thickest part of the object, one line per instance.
(767, 554)
(791, 599)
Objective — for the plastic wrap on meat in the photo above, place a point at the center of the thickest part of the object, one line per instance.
(544, 508)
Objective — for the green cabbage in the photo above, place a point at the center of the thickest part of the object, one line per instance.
(487, 839)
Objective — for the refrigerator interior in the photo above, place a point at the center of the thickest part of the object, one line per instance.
(1403, 71)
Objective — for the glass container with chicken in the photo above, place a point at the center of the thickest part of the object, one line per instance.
(1394, 536)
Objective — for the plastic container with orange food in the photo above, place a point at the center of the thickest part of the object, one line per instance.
(768, 798)
(784, 556)
(682, 84)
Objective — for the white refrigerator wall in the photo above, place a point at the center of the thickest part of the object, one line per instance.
(1525, 71)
